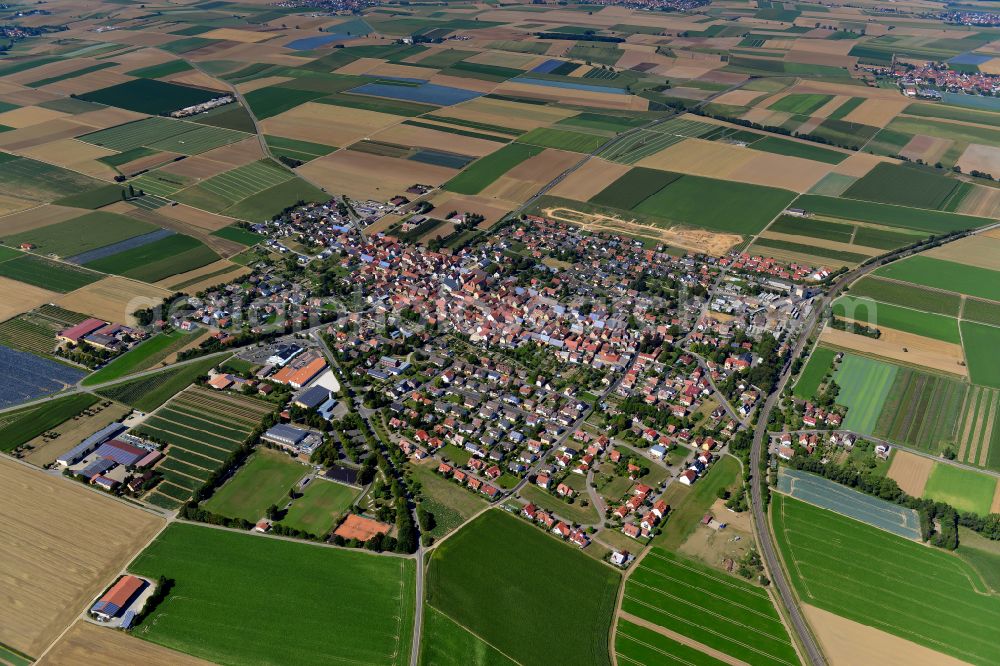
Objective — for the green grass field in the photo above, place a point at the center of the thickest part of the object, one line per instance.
(689, 503)
(545, 500)
(159, 133)
(644, 647)
(679, 594)
(802, 104)
(268, 203)
(579, 142)
(446, 643)
(142, 357)
(42, 182)
(149, 392)
(263, 480)
(633, 188)
(931, 221)
(984, 312)
(876, 314)
(947, 275)
(47, 274)
(297, 149)
(473, 578)
(864, 385)
(905, 295)
(320, 506)
(349, 606)
(925, 595)
(825, 255)
(921, 410)
(149, 96)
(80, 234)
(773, 144)
(154, 261)
(980, 342)
(485, 170)
(903, 186)
(716, 204)
(812, 374)
(22, 425)
(963, 489)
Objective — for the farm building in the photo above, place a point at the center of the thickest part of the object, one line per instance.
(75, 333)
(121, 453)
(117, 598)
(84, 448)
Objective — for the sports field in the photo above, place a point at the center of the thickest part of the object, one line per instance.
(471, 579)
(864, 384)
(812, 374)
(946, 275)
(264, 479)
(348, 606)
(963, 489)
(320, 506)
(708, 606)
(925, 595)
(849, 502)
(980, 342)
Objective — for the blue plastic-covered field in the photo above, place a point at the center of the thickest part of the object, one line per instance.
(849, 502)
(30, 377)
(424, 93)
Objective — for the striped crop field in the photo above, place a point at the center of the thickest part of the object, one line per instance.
(921, 410)
(708, 606)
(647, 142)
(864, 385)
(979, 427)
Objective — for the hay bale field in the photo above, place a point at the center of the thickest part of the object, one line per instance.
(60, 546)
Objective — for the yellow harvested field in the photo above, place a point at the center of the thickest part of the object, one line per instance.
(715, 159)
(60, 546)
(919, 351)
(505, 59)
(26, 116)
(590, 179)
(75, 155)
(926, 148)
(980, 250)
(87, 643)
(981, 158)
(738, 97)
(360, 66)
(86, 83)
(823, 243)
(39, 216)
(877, 112)
(9, 204)
(990, 66)
(19, 297)
(147, 162)
(848, 642)
(236, 154)
(503, 113)
(859, 164)
(107, 117)
(982, 201)
(206, 273)
(598, 100)
(235, 35)
(910, 471)
(529, 176)
(113, 298)
(400, 71)
(409, 135)
(327, 124)
(363, 176)
(466, 84)
(262, 82)
(198, 79)
(696, 240)
(195, 217)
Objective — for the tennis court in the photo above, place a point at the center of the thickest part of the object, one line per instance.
(849, 502)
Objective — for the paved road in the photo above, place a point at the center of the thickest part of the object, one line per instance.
(761, 525)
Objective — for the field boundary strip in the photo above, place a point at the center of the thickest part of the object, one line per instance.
(471, 632)
(670, 636)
